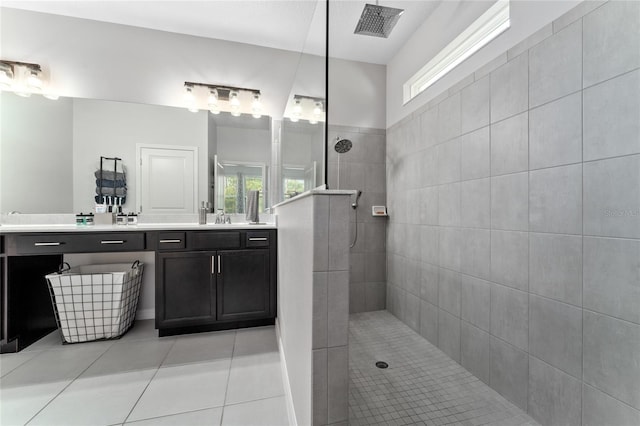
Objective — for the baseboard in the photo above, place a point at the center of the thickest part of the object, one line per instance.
(291, 412)
(145, 314)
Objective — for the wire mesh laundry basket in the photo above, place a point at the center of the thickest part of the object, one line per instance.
(95, 302)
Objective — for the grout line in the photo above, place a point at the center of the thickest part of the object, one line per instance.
(175, 340)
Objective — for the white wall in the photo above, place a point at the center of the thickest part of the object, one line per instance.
(357, 94)
(238, 144)
(112, 129)
(451, 18)
(35, 153)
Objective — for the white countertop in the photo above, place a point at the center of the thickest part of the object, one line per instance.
(8, 229)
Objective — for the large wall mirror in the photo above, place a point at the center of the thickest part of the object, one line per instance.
(50, 150)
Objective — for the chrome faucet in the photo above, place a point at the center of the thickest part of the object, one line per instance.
(222, 218)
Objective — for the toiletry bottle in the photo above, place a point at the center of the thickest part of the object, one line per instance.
(203, 215)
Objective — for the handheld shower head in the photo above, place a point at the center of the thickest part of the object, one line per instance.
(357, 193)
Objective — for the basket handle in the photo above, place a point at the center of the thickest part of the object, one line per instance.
(135, 264)
(64, 267)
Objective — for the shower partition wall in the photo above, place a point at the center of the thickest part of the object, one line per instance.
(514, 235)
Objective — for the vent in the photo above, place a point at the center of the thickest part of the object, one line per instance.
(377, 21)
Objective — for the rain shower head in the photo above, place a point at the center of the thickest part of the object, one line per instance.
(342, 145)
(377, 21)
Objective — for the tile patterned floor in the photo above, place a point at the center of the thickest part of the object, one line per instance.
(422, 385)
(222, 378)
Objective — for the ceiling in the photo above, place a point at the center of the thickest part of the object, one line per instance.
(297, 25)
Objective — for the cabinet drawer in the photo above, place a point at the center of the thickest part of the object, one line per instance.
(77, 243)
(257, 239)
(213, 240)
(171, 240)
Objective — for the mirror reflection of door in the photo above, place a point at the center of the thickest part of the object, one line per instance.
(167, 179)
(234, 180)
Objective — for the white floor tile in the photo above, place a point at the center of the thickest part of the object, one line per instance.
(101, 400)
(49, 341)
(201, 347)
(210, 417)
(264, 412)
(254, 377)
(132, 356)
(183, 388)
(254, 341)
(9, 362)
(142, 330)
(20, 403)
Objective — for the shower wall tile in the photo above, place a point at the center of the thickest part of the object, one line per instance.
(475, 302)
(612, 197)
(475, 254)
(509, 372)
(509, 88)
(601, 409)
(320, 387)
(555, 334)
(356, 297)
(449, 334)
(429, 236)
(429, 322)
(429, 127)
(320, 310)
(337, 384)
(337, 308)
(449, 118)
(412, 315)
(555, 134)
(509, 202)
(555, 200)
(339, 235)
(612, 277)
(475, 154)
(375, 267)
(524, 219)
(510, 145)
(449, 291)
(555, 267)
(475, 351)
(374, 295)
(475, 105)
(611, 349)
(449, 243)
(449, 204)
(611, 111)
(321, 238)
(611, 42)
(510, 315)
(429, 288)
(375, 178)
(475, 203)
(375, 237)
(356, 267)
(510, 258)
(449, 161)
(555, 66)
(555, 398)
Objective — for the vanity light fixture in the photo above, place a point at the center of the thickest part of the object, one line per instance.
(23, 78)
(235, 100)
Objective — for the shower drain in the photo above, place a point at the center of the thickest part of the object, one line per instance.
(382, 364)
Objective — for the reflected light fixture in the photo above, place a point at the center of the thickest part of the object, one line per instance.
(307, 108)
(213, 101)
(297, 110)
(23, 78)
(235, 100)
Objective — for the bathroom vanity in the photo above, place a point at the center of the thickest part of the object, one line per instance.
(208, 277)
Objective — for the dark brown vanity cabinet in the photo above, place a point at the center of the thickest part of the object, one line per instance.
(221, 280)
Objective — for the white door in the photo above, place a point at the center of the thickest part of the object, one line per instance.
(168, 180)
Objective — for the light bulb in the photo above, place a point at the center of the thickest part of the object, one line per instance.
(293, 119)
(312, 121)
(51, 95)
(6, 77)
(297, 107)
(256, 107)
(317, 110)
(213, 98)
(33, 81)
(236, 113)
(234, 101)
(190, 99)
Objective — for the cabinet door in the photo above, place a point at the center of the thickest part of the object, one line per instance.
(186, 292)
(243, 285)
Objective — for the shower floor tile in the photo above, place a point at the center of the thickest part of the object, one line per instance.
(422, 385)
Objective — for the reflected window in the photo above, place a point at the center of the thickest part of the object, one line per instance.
(234, 183)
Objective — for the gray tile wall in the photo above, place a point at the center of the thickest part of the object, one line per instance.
(514, 234)
(363, 168)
